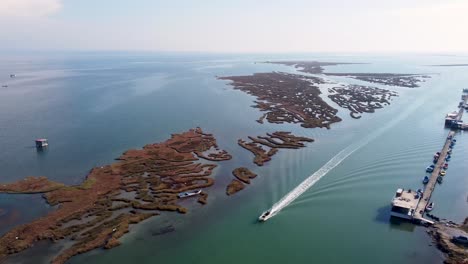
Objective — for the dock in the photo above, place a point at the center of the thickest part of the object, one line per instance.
(421, 207)
(411, 205)
(430, 186)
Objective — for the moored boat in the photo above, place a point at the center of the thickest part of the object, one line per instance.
(445, 166)
(442, 173)
(188, 194)
(448, 158)
(430, 168)
(439, 179)
(430, 206)
(425, 180)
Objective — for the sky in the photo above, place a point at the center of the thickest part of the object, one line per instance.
(236, 26)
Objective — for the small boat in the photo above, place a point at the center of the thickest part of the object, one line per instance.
(430, 206)
(449, 151)
(430, 168)
(264, 216)
(4, 86)
(454, 141)
(445, 166)
(448, 158)
(439, 179)
(188, 194)
(442, 173)
(12, 75)
(425, 180)
(41, 143)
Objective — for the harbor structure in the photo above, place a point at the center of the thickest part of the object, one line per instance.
(412, 205)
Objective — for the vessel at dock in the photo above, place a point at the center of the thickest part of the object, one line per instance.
(404, 203)
(430, 206)
(425, 180)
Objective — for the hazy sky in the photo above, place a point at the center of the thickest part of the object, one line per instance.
(236, 25)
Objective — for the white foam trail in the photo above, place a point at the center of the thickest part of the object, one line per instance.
(336, 160)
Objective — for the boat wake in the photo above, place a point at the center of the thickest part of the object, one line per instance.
(332, 163)
(312, 179)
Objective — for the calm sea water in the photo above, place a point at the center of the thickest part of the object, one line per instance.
(94, 106)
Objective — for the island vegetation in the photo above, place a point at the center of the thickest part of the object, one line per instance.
(264, 147)
(287, 98)
(360, 99)
(141, 184)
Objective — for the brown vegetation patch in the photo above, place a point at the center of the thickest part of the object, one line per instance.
(360, 99)
(86, 215)
(287, 98)
(274, 142)
(234, 187)
(244, 174)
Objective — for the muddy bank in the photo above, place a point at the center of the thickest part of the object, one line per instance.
(287, 98)
(94, 214)
(442, 234)
(360, 99)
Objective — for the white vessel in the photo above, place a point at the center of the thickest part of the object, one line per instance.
(41, 143)
(188, 194)
(264, 216)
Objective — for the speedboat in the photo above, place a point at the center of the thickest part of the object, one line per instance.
(439, 179)
(264, 216)
(188, 194)
(430, 206)
(425, 180)
(442, 173)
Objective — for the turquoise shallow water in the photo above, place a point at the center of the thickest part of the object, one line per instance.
(92, 107)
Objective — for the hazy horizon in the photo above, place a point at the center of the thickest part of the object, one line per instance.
(295, 26)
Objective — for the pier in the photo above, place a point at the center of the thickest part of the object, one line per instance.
(430, 186)
(412, 205)
(421, 206)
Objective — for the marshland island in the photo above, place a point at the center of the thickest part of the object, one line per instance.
(98, 212)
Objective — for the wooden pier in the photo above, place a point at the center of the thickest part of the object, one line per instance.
(421, 207)
(429, 188)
